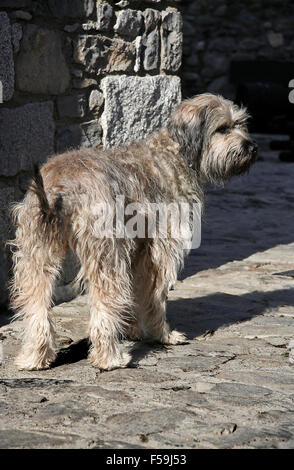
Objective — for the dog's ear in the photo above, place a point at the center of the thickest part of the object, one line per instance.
(187, 126)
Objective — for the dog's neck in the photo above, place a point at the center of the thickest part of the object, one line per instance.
(188, 152)
(181, 172)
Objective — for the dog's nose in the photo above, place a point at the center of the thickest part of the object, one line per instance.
(251, 147)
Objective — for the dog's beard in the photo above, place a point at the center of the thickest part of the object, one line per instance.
(219, 168)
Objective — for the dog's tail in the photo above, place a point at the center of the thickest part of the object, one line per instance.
(50, 221)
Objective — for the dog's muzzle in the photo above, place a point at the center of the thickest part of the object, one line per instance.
(251, 147)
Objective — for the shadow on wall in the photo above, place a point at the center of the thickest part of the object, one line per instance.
(255, 39)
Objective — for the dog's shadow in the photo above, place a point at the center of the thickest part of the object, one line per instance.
(75, 352)
(79, 350)
(195, 317)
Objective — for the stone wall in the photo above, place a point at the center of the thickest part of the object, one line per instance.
(80, 72)
(219, 31)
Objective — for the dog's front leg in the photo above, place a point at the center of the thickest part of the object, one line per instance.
(155, 318)
(155, 272)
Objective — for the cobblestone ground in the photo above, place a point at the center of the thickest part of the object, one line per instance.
(232, 386)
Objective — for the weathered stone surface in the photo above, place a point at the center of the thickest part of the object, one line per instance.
(222, 85)
(104, 16)
(40, 65)
(84, 83)
(16, 36)
(238, 33)
(15, 3)
(151, 53)
(275, 39)
(71, 28)
(27, 136)
(172, 21)
(123, 3)
(25, 439)
(87, 134)
(22, 15)
(71, 8)
(128, 23)
(138, 45)
(144, 422)
(96, 100)
(215, 64)
(172, 41)
(99, 54)
(72, 106)
(135, 106)
(6, 59)
(151, 19)
(151, 38)
(92, 131)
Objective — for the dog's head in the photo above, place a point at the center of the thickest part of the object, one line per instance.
(213, 136)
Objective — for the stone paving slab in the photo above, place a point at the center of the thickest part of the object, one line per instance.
(231, 386)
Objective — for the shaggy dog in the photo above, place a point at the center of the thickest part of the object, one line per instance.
(205, 140)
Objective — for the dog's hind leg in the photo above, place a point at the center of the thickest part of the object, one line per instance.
(37, 262)
(105, 265)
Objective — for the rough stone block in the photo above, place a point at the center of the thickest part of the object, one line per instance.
(72, 106)
(92, 134)
(22, 15)
(172, 21)
(88, 134)
(6, 59)
(15, 3)
(135, 107)
(26, 136)
(151, 19)
(151, 38)
(171, 51)
(104, 17)
(84, 82)
(139, 47)
(99, 54)
(172, 41)
(128, 23)
(215, 64)
(41, 65)
(96, 100)
(71, 8)
(151, 53)
(16, 32)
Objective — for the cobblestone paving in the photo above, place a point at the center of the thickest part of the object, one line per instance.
(231, 386)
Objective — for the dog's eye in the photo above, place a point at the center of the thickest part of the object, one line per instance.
(223, 129)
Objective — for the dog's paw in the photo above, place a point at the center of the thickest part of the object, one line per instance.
(34, 361)
(117, 362)
(175, 337)
(134, 333)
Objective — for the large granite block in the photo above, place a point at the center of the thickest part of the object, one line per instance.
(26, 136)
(135, 106)
(41, 66)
